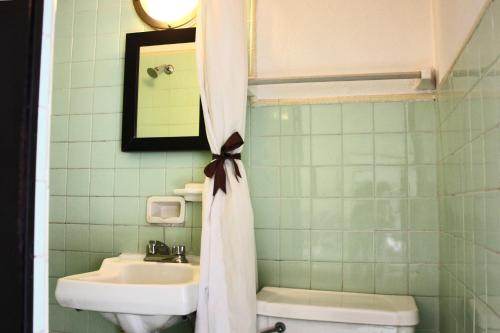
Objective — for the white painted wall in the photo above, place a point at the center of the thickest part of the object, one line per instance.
(453, 22)
(297, 37)
(315, 37)
(41, 248)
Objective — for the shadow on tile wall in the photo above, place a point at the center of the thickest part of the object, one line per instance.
(469, 184)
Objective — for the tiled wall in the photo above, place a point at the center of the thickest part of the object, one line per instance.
(344, 195)
(345, 198)
(469, 184)
(97, 193)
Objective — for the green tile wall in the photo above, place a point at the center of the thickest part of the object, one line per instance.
(344, 194)
(345, 198)
(98, 194)
(469, 184)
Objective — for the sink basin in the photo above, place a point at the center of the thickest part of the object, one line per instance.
(139, 296)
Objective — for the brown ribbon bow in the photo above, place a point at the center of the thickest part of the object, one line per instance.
(216, 167)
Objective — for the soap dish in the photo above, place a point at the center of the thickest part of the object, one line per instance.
(191, 192)
(166, 210)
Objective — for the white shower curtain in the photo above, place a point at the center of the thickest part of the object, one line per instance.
(227, 300)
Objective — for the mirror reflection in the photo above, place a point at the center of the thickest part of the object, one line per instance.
(168, 92)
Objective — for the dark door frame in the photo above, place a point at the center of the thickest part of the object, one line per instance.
(20, 37)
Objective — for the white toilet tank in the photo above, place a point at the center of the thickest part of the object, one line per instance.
(317, 311)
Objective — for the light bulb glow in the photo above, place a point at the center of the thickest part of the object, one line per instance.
(172, 12)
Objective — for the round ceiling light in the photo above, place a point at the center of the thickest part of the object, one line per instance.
(165, 14)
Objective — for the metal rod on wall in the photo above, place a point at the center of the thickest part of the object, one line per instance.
(426, 77)
(254, 81)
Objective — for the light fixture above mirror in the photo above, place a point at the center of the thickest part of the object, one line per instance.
(166, 14)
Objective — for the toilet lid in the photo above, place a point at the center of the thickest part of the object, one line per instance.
(342, 307)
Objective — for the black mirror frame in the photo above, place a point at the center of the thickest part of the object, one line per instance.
(130, 141)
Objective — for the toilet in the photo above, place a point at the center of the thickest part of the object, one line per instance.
(317, 311)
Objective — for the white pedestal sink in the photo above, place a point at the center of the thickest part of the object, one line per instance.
(139, 296)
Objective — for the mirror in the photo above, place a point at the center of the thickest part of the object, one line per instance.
(161, 104)
(168, 91)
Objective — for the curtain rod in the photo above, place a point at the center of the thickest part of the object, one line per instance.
(254, 81)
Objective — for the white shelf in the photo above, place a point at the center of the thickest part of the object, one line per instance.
(191, 192)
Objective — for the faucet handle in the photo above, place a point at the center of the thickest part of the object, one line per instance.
(179, 254)
(179, 250)
(157, 247)
(151, 247)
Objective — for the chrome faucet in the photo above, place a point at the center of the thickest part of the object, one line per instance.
(160, 252)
